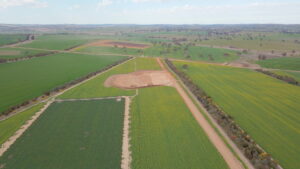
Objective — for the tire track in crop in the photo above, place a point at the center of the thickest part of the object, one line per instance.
(228, 156)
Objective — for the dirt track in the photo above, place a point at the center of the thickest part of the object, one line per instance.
(126, 154)
(228, 156)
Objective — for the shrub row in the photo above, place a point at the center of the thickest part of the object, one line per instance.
(258, 157)
(26, 57)
(284, 78)
(60, 88)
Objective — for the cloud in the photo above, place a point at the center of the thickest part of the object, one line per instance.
(13, 3)
(73, 7)
(139, 1)
(104, 3)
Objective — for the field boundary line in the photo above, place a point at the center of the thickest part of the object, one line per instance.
(215, 139)
(7, 144)
(61, 92)
(88, 99)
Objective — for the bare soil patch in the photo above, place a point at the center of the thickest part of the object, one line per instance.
(9, 53)
(243, 65)
(139, 79)
(119, 44)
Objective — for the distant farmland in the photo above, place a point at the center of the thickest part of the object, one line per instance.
(287, 63)
(25, 80)
(86, 134)
(266, 108)
(9, 53)
(59, 42)
(6, 39)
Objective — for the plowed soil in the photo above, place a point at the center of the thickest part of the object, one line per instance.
(139, 79)
(119, 44)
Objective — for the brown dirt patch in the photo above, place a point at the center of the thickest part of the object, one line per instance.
(139, 79)
(119, 44)
(243, 65)
(9, 53)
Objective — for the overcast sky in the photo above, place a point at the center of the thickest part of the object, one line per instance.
(149, 11)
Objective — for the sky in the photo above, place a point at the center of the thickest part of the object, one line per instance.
(150, 11)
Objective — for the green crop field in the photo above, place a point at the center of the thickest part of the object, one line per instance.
(9, 53)
(27, 79)
(6, 39)
(71, 135)
(95, 88)
(164, 134)
(110, 50)
(9, 126)
(59, 42)
(287, 63)
(193, 53)
(266, 108)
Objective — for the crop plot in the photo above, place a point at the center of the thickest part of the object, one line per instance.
(164, 134)
(21, 81)
(71, 135)
(264, 107)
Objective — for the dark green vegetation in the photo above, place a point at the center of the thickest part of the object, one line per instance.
(287, 63)
(9, 126)
(6, 39)
(24, 80)
(60, 42)
(164, 134)
(86, 134)
(10, 53)
(264, 107)
(95, 88)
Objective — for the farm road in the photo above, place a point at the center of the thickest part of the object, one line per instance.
(228, 156)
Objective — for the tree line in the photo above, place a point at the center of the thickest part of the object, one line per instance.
(256, 155)
(26, 57)
(284, 78)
